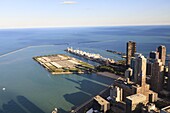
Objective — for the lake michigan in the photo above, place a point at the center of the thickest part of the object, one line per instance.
(29, 88)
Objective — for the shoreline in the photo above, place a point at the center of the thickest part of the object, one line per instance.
(64, 73)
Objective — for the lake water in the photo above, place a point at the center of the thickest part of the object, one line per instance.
(29, 88)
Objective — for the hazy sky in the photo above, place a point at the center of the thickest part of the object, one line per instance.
(51, 13)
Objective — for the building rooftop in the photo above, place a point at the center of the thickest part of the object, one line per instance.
(101, 100)
(137, 98)
(124, 83)
(166, 109)
(161, 46)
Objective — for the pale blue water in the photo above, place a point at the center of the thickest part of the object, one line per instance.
(31, 89)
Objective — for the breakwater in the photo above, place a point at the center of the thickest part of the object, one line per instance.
(123, 55)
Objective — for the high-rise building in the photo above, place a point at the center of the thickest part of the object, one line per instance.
(101, 104)
(149, 68)
(169, 76)
(132, 64)
(150, 108)
(128, 73)
(130, 51)
(154, 55)
(157, 77)
(165, 109)
(116, 93)
(133, 102)
(162, 53)
(140, 69)
(131, 96)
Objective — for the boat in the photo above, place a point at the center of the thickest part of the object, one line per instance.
(3, 89)
(55, 110)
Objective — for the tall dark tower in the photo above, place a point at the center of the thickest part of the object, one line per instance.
(130, 51)
(154, 55)
(162, 53)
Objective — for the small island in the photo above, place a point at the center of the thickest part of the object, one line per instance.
(63, 64)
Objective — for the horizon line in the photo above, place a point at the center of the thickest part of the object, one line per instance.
(43, 27)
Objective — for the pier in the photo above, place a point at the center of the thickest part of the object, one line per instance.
(123, 55)
(90, 56)
(63, 64)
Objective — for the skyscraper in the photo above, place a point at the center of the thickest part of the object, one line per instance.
(130, 51)
(162, 53)
(149, 68)
(140, 69)
(128, 73)
(157, 76)
(154, 55)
